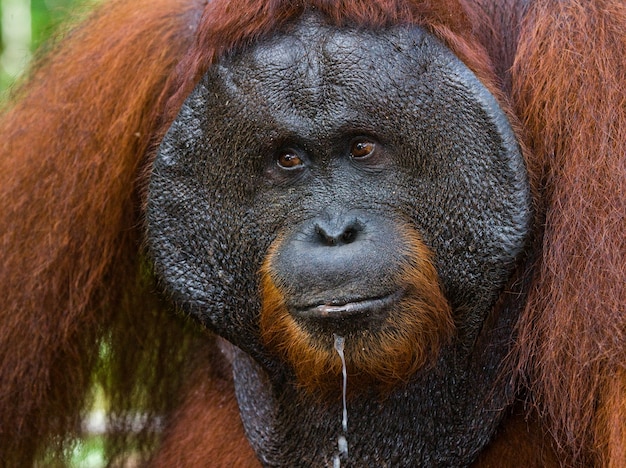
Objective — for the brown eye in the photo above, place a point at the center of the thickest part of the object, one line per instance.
(362, 149)
(289, 160)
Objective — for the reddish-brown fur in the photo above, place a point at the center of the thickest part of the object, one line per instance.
(409, 338)
(519, 441)
(569, 83)
(76, 147)
(206, 429)
(69, 275)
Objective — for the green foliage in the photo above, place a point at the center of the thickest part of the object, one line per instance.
(24, 32)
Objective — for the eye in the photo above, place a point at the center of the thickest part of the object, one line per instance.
(289, 159)
(362, 149)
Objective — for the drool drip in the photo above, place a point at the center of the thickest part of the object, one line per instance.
(342, 443)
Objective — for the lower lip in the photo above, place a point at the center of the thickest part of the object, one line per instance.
(351, 309)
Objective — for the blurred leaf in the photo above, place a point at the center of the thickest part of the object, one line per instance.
(47, 19)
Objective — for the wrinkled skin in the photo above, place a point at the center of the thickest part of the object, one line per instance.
(272, 149)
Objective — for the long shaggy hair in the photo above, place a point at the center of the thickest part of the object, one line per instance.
(569, 88)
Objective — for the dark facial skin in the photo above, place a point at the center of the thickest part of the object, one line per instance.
(328, 143)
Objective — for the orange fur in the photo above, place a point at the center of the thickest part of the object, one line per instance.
(206, 429)
(569, 80)
(610, 425)
(71, 150)
(410, 336)
(519, 441)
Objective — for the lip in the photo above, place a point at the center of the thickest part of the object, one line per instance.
(351, 308)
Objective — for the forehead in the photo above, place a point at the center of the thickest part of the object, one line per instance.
(312, 68)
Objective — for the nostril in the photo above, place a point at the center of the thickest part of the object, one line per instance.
(325, 236)
(336, 235)
(349, 235)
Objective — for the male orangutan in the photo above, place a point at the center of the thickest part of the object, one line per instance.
(205, 203)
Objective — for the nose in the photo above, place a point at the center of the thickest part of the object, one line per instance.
(337, 232)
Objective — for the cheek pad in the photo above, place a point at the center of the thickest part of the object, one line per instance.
(200, 234)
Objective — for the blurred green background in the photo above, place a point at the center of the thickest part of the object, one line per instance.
(25, 25)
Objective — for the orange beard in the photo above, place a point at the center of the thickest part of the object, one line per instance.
(410, 336)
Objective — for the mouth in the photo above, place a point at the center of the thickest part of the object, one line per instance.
(352, 308)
